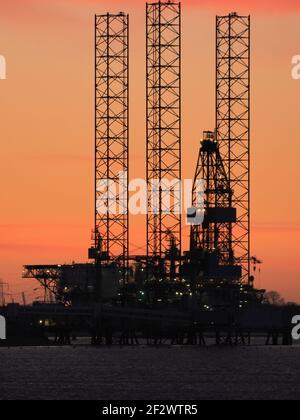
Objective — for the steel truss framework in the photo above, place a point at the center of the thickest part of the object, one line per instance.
(111, 118)
(232, 125)
(48, 276)
(54, 278)
(217, 194)
(164, 133)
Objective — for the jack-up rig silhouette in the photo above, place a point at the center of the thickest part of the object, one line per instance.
(168, 292)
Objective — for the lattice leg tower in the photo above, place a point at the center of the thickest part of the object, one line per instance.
(111, 111)
(232, 125)
(164, 136)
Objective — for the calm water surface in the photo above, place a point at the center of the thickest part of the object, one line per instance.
(175, 373)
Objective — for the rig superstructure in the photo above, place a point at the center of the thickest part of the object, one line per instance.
(214, 274)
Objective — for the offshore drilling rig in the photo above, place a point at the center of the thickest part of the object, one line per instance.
(215, 273)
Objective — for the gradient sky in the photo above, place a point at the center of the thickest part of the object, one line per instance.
(46, 128)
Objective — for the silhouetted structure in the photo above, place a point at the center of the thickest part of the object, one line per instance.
(111, 141)
(209, 286)
(164, 138)
(232, 127)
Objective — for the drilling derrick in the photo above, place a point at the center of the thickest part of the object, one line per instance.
(210, 249)
(216, 198)
(232, 126)
(164, 137)
(111, 120)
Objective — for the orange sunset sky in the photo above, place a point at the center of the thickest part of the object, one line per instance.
(47, 120)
